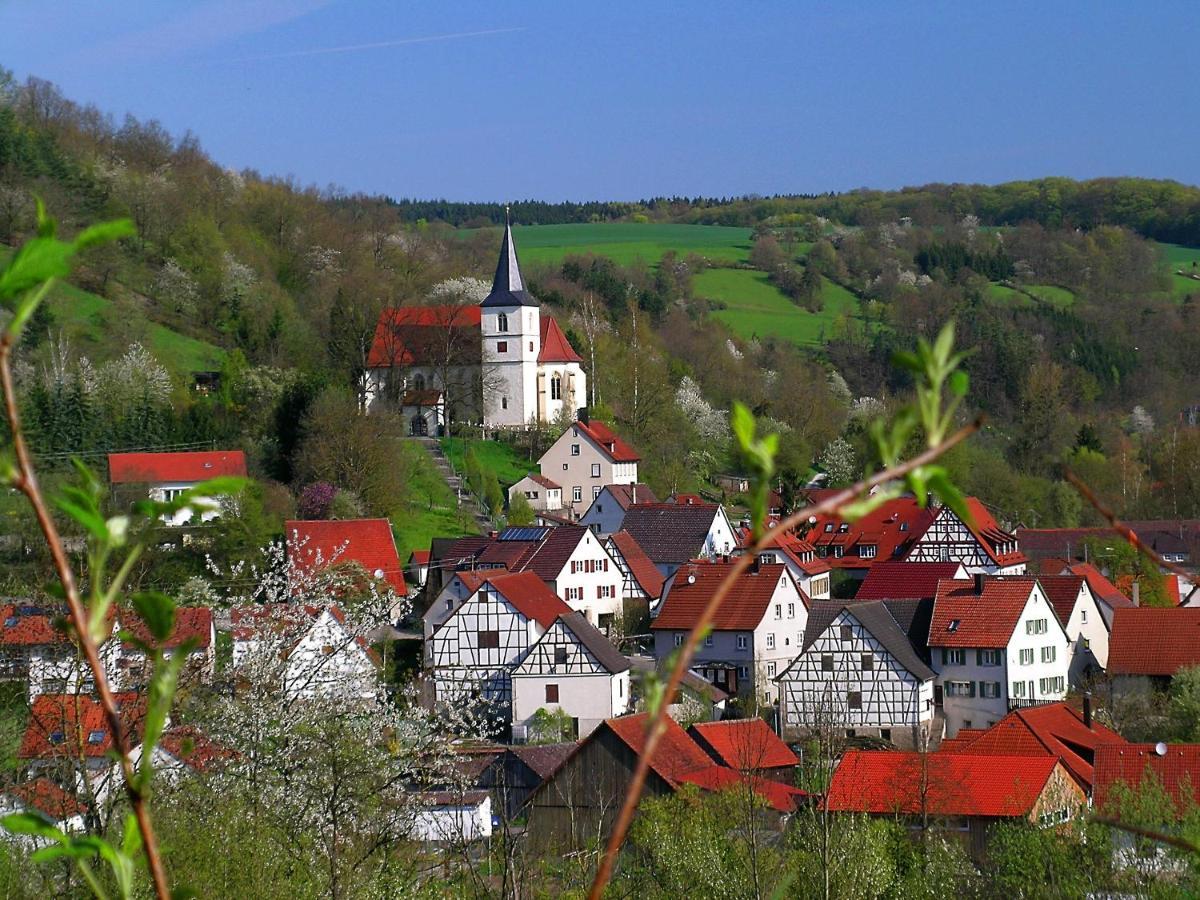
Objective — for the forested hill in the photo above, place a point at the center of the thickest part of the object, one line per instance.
(1164, 210)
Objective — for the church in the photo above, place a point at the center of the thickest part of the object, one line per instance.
(502, 362)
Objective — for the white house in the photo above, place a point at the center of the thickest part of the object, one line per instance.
(810, 572)
(311, 649)
(641, 580)
(542, 494)
(573, 668)
(607, 511)
(585, 458)
(502, 359)
(672, 534)
(858, 674)
(996, 645)
(453, 817)
(756, 632)
(1080, 615)
(43, 796)
(477, 648)
(459, 586)
(981, 546)
(165, 476)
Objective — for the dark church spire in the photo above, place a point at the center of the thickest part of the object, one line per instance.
(508, 287)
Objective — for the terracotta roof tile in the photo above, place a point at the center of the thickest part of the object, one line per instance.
(676, 754)
(530, 596)
(312, 544)
(743, 744)
(1178, 771)
(608, 441)
(66, 725)
(899, 580)
(962, 618)
(544, 759)
(780, 797)
(641, 567)
(1149, 641)
(193, 748)
(1102, 589)
(1062, 591)
(147, 468)
(191, 623)
(555, 346)
(410, 335)
(742, 609)
(46, 797)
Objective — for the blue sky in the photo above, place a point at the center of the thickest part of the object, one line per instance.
(566, 100)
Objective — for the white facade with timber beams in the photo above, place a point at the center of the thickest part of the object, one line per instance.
(948, 539)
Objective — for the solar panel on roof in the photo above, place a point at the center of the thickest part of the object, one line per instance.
(523, 533)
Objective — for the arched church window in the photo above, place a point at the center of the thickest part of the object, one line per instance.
(419, 382)
(555, 387)
(502, 322)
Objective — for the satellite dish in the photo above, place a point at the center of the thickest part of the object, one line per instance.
(812, 520)
(1160, 748)
(691, 579)
(379, 573)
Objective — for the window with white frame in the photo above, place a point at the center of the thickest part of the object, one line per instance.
(1049, 654)
(791, 610)
(743, 672)
(1036, 626)
(954, 656)
(742, 642)
(595, 470)
(577, 494)
(708, 640)
(1083, 616)
(771, 641)
(596, 492)
(960, 689)
(866, 551)
(1027, 657)
(556, 388)
(771, 670)
(678, 639)
(1018, 689)
(779, 610)
(988, 657)
(1051, 685)
(574, 449)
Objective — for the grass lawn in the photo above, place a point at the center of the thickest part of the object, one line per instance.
(626, 242)
(756, 308)
(431, 510)
(503, 459)
(1052, 294)
(1047, 293)
(1003, 295)
(1180, 259)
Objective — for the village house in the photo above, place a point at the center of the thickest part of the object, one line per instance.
(573, 669)
(164, 477)
(858, 674)
(131, 668)
(501, 361)
(181, 751)
(312, 650)
(902, 580)
(1082, 618)
(755, 633)
(698, 700)
(1148, 646)
(479, 646)
(902, 529)
(586, 458)
(961, 795)
(542, 494)
(641, 582)
(315, 546)
(452, 817)
(459, 587)
(748, 746)
(572, 561)
(996, 645)
(800, 558)
(44, 797)
(418, 568)
(607, 511)
(1055, 729)
(672, 534)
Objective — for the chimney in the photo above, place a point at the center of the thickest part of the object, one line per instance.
(633, 495)
(1087, 709)
(493, 534)
(979, 576)
(583, 415)
(1137, 594)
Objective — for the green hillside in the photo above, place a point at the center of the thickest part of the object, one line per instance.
(1184, 265)
(626, 242)
(756, 308)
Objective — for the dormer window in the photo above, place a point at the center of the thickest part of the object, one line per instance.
(57, 737)
(953, 626)
(502, 322)
(904, 526)
(95, 737)
(828, 527)
(843, 528)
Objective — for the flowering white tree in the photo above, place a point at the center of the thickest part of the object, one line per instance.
(463, 289)
(175, 287)
(839, 462)
(1140, 420)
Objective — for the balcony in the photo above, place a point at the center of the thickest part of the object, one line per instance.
(1022, 703)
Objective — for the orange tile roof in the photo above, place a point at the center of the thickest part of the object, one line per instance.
(743, 744)
(943, 784)
(983, 620)
(676, 754)
(46, 797)
(312, 544)
(641, 567)
(1102, 588)
(900, 580)
(609, 441)
(1149, 641)
(67, 725)
(780, 797)
(149, 468)
(401, 336)
(555, 346)
(742, 609)
(1178, 771)
(530, 596)
(1062, 591)
(193, 623)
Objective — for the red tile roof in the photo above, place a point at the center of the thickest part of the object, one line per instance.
(890, 529)
(795, 548)
(1178, 771)
(627, 495)
(64, 725)
(955, 784)
(780, 797)
(419, 557)
(544, 481)
(641, 567)
(1062, 591)
(1102, 588)
(25, 624)
(555, 346)
(676, 754)
(899, 580)
(986, 620)
(743, 744)
(193, 748)
(369, 542)
(46, 797)
(609, 442)
(743, 608)
(1053, 729)
(150, 468)
(530, 596)
(1149, 641)
(407, 335)
(191, 623)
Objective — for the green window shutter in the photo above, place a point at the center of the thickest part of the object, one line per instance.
(979, 657)
(943, 656)
(971, 689)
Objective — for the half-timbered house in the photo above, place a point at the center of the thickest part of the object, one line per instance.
(978, 543)
(477, 648)
(573, 668)
(800, 557)
(858, 673)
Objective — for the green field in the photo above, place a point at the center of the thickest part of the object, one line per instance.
(1186, 260)
(1052, 294)
(627, 242)
(431, 510)
(1023, 295)
(503, 459)
(756, 308)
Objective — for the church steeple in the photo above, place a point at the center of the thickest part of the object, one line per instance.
(508, 287)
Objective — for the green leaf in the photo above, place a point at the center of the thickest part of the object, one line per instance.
(158, 705)
(741, 421)
(89, 519)
(104, 233)
(157, 611)
(31, 823)
(959, 382)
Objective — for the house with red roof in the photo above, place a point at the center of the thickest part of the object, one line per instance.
(756, 631)
(1083, 618)
(541, 493)
(165, 476)
(1054, 729)
(132, 666)
(748, 746)
(863, 671)
(1149, 646)
(996, 645)
(46, 798)
(485, 638)
(581, 798)
(607, 510)
(903, 529)
(1121, 768)
(311, 651)
(586, 458)
(898, 579)
(961, 795)
(501, 360)
(340, 545)
(800, 558)
(642, 582)
(418, 568)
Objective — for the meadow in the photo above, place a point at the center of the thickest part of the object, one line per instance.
(628, 242)
(1183, 259)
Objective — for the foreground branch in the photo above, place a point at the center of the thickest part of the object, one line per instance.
(657, 724)
(1128, 533)
(25, 480)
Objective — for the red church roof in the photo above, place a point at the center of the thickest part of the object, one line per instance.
(408, 335)
(555, 346)
(314, 544)
(153, 468)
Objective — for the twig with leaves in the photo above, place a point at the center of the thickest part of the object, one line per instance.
(936, 370)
